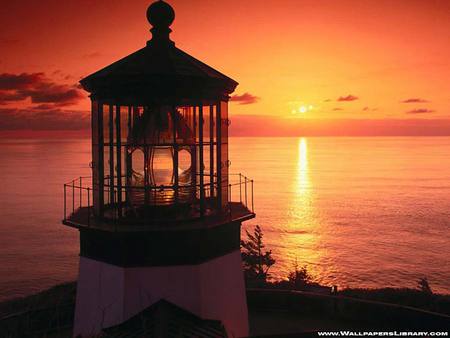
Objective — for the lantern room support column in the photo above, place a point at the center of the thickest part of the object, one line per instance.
(201, 160)
(119, 162)
(211, 150)
(219, 155)
(175, 151)
(98, 167)
(147, 192)
(194, 149)
(128, 160)
(111, 155)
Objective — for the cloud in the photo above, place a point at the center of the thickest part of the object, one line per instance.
(347, 98)
(327, 100)
(60, 95)
(414, 100)
(20, 81)
(337, 109)
(420, 111)
(366, 108)
(7, 96)
(44, 106)
(32, 119)
(92, 55)
(245, 98)
(37, 87)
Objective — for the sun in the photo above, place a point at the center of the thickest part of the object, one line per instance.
(303, 109)
(300, 108)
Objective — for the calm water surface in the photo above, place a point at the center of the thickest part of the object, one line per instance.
(358, 212)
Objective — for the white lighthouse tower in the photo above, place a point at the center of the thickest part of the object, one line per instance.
(157, 220)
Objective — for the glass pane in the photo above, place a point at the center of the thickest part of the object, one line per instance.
(138, 172)
(184, 160)
(184, 167)
(106, 124)
(185, 125)
(207, 165)
(160, 126)
(198, 166)
(162, 166)
(124, 124)
(213, 169)
(124, 165)
(224, 170)
(224, 121)
(112, 164)
(213, 116)
(206, 124)
(197, 123)
(136, 137)
(135, 194)
(106, 169)
(154, 126)
(106, 172)
(114, 117)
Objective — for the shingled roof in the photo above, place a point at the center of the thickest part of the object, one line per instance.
(166, 320)
(157, 67)
(154, 61)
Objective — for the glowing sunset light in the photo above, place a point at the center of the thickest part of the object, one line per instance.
(134, 124)
(390, 55)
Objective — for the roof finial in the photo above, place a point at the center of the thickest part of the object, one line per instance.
(160, 15)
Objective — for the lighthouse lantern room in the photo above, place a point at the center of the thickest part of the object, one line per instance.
(160, 218)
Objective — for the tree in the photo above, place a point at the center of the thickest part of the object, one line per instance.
(300, 277)
(423, 286)
(257, 262)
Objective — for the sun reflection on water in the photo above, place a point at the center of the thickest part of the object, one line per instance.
(303, 200)
(303, 182)
(303, 225)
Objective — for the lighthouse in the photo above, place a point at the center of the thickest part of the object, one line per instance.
(160, 218)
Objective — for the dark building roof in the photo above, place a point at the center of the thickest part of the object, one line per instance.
(166, 320)
(158, 70)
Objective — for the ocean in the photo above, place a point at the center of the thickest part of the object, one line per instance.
(357, 212)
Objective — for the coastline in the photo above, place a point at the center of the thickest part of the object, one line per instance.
(51, 311)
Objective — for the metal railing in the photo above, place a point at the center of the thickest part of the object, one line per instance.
(78, 196)
(241, 188)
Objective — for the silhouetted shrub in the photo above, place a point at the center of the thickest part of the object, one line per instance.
(299, 278)
(256, 260)
(424, 286)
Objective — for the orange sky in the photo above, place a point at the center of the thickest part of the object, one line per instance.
(334, 60)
